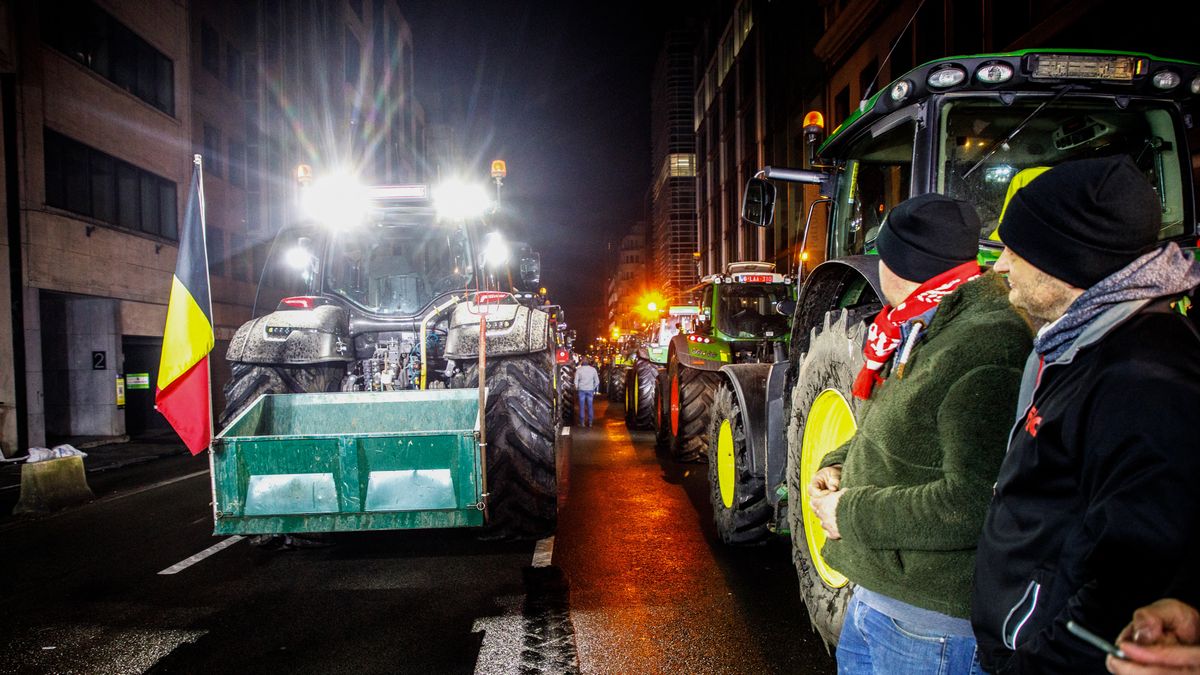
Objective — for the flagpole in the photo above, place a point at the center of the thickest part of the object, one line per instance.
(198, 162)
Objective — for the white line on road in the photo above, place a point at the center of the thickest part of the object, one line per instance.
(566, 431)
(215, 548)
(543, 552)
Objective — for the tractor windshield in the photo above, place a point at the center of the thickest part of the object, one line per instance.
(877, 178)
(748, 310)
(398, 268)
(1063, 130)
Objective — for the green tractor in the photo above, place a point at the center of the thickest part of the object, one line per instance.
(396, 384)
(739, 321)
(643, 379)
(974, 128)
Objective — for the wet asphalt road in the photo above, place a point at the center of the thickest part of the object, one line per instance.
(638, 583)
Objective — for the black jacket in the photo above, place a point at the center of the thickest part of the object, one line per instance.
(1097, 507)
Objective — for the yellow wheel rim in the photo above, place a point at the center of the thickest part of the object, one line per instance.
(725, 463)
(830, 424)
(634, 393)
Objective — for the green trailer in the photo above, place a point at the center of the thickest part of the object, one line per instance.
(351, 461)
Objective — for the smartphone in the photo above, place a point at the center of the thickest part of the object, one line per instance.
(1095, 640)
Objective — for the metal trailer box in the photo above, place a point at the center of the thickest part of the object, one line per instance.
(348, 461)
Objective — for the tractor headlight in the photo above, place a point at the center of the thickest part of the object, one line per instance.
(456, 200)
(495, 250)
(336, 201)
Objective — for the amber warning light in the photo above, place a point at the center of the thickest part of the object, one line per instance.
(814, 121)
(499, 168)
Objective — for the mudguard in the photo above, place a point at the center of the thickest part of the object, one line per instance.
(759, 391)
(294, 337)
(511, 329)
(702, 356)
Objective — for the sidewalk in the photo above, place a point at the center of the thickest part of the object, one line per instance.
(102, 455)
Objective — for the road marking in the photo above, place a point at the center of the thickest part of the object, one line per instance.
(543, 552)
(155, 486)
(215, 548)
(566, 431)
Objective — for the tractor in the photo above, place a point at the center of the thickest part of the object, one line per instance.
(643, 379)
(738, 322)
(974, 128)
(396, 382)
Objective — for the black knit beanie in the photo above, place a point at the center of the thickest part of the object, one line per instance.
(927, 235)
(1083, 220)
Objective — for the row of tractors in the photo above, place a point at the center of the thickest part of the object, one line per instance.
(755, 377)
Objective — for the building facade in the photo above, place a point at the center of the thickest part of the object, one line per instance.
(629, 280)
(103, 105)
(673, 162)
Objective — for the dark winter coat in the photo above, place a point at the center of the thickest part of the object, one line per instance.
(918, 474)
(1097, 508)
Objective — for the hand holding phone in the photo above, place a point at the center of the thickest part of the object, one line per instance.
(1095, 640)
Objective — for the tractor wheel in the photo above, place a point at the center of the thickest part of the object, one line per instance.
(695, 390)
(822, 418)
(644, 376)
(662, 412)
(249, 381)
(741, 509)
(616, 383)
(568, 400)
(521, 479)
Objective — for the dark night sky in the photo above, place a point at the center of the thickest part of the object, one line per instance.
(561, 91)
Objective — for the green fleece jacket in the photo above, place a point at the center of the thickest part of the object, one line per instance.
(919, 472)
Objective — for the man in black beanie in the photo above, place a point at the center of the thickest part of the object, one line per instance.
(1097, 507)
(903, 502)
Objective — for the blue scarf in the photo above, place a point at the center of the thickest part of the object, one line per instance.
(1162, 272)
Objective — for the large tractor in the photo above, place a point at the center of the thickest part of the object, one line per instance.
(739, 322)
(974, 128)
(397, 383)
(645, 376)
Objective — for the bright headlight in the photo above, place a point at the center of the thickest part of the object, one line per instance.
(298, 258)
(337, 201)
(456, 200)
(495, 250)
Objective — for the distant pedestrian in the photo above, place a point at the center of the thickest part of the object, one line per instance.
(903, 501)
(587, 381)
(1096, 511)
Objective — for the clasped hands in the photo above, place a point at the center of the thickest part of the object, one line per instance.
(824, 493)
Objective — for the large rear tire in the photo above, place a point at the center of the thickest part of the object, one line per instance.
(741, 509)
(521, 478)
(567, 398)
(662, 412)
(833, 359)
(249, 381)
(639, 397)
(616, 383)
(696, 390)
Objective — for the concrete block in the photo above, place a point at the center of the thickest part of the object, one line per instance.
(52, 485)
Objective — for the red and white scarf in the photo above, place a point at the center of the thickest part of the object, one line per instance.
(883, 337)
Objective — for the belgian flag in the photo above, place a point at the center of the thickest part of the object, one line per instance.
(183, 394)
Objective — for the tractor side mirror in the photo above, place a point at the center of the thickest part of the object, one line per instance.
(785, 307)
(531, 269)
(758, 204)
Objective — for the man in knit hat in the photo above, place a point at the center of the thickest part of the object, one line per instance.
(1097, 507)
(903, 502)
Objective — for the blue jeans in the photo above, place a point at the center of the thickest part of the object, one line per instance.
(872, 642)
(586, 415)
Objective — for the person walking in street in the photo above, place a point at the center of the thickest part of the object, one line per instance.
(1097, 508)
(903, 501)
(587, 381)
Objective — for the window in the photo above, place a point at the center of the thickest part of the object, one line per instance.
(233, 68)
(210, 49)
(870, 186)
(90, 36)
(683, 164)
(353, 57)
(212, 150)
(237, 160)
(215, 238)
(91, 183)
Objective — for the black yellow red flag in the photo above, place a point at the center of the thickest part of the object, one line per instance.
(183, 394)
